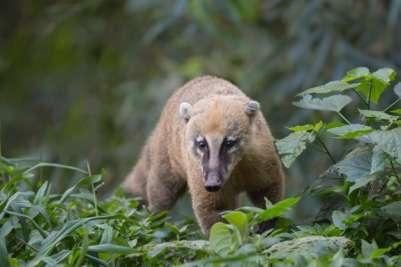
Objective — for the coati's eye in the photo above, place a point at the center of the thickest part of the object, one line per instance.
(201, 143)
(230, 142)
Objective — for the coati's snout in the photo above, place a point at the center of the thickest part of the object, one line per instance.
(213, 181)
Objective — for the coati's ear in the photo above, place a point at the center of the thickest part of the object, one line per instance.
(185, 111)
(252, 107)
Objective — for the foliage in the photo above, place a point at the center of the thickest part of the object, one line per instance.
(41, 228)
(362, 190)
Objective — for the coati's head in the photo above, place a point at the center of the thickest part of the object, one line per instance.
(216, 133)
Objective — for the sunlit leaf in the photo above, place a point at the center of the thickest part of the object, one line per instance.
(221, 239)
(278, 209)
(239, 220)
(350, 131)
(376, 83)
(355, 74)
(307, 127)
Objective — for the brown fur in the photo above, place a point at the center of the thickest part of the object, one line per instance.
(170, 161)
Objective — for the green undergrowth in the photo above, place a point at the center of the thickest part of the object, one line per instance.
(359, 225)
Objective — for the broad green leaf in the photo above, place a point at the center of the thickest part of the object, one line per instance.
(293, 145)
(221, 239)
(378, 115)
(239, 220)
(338, 218)
(361, 182)
(350, 131)
(334, 86)
(374, 85)
(397, 89)
(330, 103)
(355, 74)
(307, 127)
(389, 142)
(356, 164)
(367, 249)
(393, 210)
(277, 209)
(111, 248)
(378, 160)
(385, 74)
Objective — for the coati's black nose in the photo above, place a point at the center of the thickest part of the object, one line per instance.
(212, 188)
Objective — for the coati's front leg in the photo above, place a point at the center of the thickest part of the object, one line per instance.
(163, 189)
(273, 192)
(208, 205)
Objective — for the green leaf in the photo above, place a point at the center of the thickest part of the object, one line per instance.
(239, 220)
(385, 74)
(338, 218)
(277, 209)
(350, 131)
(378, 115)
(355, 74)
(367, 249)
(393, 210)
(85, 181)
(396, 111)
(107, 235)
(307, 127)
(111, 248)
(374, 85)
(334, 86)
(293, 145)
(397, 89)
(356, 164)
(3, 253)
(331, 103)
(378, 160)
(388, 141)
(361, 182)
(221, 239)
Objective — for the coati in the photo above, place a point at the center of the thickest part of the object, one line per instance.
(212, 139)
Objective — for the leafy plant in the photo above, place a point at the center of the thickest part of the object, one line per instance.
(359, 223)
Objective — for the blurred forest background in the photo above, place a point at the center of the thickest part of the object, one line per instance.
(86, 80)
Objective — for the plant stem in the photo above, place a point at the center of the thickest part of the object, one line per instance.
(391, 105)
(343, 117)
(361, 97)
(370, 93)
(326, 149)
(93, 189)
